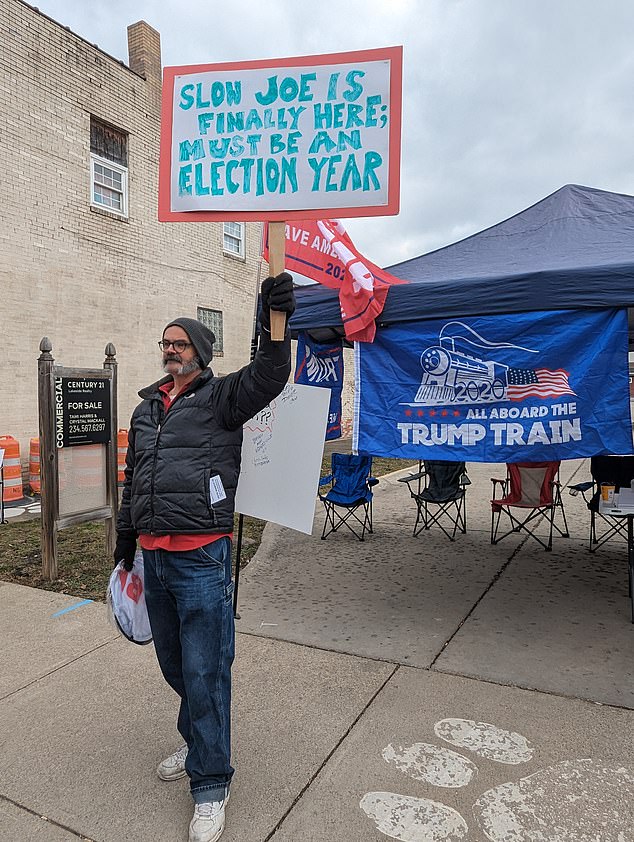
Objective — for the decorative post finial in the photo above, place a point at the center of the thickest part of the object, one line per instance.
(46, 347)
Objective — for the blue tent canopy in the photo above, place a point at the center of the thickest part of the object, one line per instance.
(572, 250)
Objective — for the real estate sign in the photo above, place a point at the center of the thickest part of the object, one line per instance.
(82, 411)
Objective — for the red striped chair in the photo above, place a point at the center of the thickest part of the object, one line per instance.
(530, 492)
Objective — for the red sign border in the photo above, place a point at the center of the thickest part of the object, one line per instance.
(393, 54)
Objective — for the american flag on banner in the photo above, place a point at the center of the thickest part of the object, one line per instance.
(537, 383)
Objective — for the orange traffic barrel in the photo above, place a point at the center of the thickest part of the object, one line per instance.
(122, 450)
(87, 466)
(34, 466)
(12, 469)
(80, 472)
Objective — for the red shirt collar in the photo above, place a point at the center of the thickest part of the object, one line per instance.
(165, 390)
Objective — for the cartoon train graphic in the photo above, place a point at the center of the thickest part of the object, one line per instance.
(451, 375)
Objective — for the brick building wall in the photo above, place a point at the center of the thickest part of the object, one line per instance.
(78, 274)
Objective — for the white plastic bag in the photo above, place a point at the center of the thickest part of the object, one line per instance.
(125, 599)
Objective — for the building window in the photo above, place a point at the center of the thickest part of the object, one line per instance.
(213, 320)
(233, 238)
(108, 168)
(109, 186)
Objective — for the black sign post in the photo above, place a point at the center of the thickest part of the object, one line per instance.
(77, 406)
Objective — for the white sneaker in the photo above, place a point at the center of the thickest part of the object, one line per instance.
(173, 767)
(208, 821)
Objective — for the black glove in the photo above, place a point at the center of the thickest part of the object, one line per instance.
(277, 294)
(125, 549)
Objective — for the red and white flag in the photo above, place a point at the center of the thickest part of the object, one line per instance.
(323, 251)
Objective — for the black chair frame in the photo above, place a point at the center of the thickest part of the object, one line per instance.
(431, 512)
(615, 527)
(616, 469)
(335, 520)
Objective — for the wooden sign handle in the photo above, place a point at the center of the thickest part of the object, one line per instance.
(277, 253)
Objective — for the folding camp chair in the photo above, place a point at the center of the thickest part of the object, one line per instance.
(349, 501)
(618, 470)
(535, 488)
(438, 489)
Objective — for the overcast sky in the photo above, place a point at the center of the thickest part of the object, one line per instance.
(504, 101)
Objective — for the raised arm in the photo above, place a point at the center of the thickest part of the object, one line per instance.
(241, 394)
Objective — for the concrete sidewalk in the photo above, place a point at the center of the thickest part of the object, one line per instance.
(362, 671)
(511, 613)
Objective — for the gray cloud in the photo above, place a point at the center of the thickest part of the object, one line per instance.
(503, 102)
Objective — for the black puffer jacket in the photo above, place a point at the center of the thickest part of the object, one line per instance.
(172, 456)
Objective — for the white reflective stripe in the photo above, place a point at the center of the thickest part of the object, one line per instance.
(11, 462)
(34, 458)
(11, 482)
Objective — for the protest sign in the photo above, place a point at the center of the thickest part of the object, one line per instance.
(278, 139)
(281, 458)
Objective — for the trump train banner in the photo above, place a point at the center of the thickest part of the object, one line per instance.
(321, 365)
(523, 387)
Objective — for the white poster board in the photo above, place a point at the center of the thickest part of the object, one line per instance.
(281, 458)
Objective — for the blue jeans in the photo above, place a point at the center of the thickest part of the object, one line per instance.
(189, 601)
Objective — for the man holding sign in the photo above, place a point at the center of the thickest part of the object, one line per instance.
(182, 469)
(309, 137)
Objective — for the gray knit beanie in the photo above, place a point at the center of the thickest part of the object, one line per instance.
(201, 337)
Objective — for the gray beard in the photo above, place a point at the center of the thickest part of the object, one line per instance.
(185, 369)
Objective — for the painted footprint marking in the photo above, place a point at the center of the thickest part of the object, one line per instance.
(405, 818)
(433, 764)
(485, 740)
(573, 801)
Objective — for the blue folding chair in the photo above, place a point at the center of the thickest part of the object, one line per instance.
(349, 501)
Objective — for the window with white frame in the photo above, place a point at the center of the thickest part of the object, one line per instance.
(108, 168)
(213, 320)
(233, 238)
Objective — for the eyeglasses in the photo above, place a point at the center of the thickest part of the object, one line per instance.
(179, 346)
